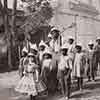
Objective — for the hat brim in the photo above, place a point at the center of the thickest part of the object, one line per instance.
(47, 53)
(55, 30)
(31, 55)
(78, 46)
(24, 51)
(42, 45)
(33, 49)
(97, 39)
(64, 48)
(71, 39)
(90, 44)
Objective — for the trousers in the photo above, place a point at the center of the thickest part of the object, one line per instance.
(65, 83)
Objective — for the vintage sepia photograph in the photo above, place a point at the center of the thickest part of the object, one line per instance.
(49, 49)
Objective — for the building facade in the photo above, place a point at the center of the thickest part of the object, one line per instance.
(79, 18)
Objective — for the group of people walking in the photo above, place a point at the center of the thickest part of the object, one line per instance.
(52, 66)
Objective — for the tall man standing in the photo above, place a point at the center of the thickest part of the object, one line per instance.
(55, 43)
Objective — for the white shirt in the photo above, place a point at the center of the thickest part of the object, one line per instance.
(65, 62)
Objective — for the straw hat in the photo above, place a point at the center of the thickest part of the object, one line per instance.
(79, 44)
(71, 37)
(33, 46)
(49, 35)
(25, 50)
(55, 29)
(31, 55)
(42, 43)
(98, 38)
(91, 42)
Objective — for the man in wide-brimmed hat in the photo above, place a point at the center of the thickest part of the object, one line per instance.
(55, 42)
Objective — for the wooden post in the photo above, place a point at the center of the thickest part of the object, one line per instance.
(75, 21)
(13, 24)
(7, 34)
(19, 51)
(2, 10)
(13, 28)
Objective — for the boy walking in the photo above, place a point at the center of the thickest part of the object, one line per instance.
(64, 72)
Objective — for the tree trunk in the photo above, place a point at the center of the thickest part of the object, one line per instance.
(2, 10)
(7, 33)
(13, 28)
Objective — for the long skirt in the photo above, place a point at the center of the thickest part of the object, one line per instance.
(29, 85)
(50, 79)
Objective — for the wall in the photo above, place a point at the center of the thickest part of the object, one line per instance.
(86, 29)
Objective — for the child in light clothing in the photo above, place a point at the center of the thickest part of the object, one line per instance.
(79, 66)
(29, 83)
(91, 69)
(64, 72)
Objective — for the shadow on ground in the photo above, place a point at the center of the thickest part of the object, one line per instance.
(89, 89)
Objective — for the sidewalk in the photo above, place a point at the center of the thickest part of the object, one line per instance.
(9, 79)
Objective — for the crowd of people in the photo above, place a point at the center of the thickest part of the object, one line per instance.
(52, 66)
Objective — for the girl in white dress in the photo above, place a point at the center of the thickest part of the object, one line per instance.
(29, 83)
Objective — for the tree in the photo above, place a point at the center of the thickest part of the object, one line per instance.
(11, 34)
(7, 32)
(13, 28)
(38, 13)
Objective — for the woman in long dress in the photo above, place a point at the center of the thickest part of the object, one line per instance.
(29, 83)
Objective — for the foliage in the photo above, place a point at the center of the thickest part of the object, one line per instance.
(38, 13)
